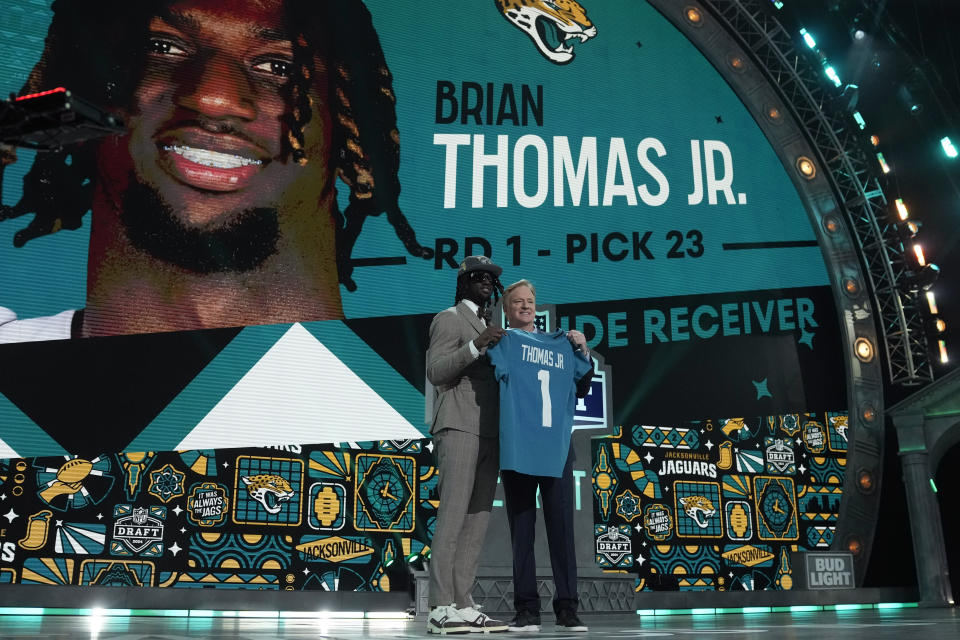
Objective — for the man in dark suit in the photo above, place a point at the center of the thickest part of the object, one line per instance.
(465, 428)
(556, 496)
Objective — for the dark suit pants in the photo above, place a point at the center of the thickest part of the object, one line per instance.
(556, 496)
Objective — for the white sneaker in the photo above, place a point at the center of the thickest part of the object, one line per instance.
(445, 619)
(480, 622)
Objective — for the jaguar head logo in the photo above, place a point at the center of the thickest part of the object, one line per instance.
(553, 25)
(699, 508)
(269, 490)
(840, 425)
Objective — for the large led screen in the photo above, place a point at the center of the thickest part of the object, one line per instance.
(215, 322)
(257, 258)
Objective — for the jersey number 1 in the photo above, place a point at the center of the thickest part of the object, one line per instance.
(544, 377)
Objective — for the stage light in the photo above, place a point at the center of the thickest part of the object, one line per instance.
(257, 614)
(918, 252)
(865, 481)
(875, 141)
(906, 97)
(851, 286)
(933, 485)
(95, 622)
(693, 16)
(806, 167)
(22, 611)
(932, 302)
(902, 209)
(868, 413)
(948, 147)
(922, 279)
(850, 607)
(883, 163)
(943, 351)
(907, 229)
(777, 5)
(848, 99)
(808, 38)
(854, 546)
(386, 615)
(856, 30)
(935, 324)
(832, 74)
(863, 349)
(859, 120)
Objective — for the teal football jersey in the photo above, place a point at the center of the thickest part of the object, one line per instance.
(537, 373)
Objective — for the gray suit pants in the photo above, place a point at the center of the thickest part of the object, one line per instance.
(468, 466)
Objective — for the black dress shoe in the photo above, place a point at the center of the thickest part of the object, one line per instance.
(525, 621)
(568, 621)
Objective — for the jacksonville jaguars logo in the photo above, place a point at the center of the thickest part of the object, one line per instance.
(269, 490)
(552, 25)
(699, 509)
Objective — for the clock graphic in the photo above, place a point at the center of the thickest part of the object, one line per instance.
(778, 513)
(384, 495)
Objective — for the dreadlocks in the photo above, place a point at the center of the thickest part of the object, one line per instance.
(463, 286)
(97, 48)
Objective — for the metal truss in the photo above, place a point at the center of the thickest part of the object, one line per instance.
(853, 175)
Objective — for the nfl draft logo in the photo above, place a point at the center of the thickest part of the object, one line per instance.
(780, 458)
(138, 530)
(614, 547)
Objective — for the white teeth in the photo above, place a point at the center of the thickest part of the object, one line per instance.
(210, 158)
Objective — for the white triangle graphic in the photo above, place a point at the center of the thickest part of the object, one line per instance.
(6, 451)
(298, 393)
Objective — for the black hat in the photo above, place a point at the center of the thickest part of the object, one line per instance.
(479, 263)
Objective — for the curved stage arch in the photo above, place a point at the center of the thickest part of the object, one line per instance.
(841, 193)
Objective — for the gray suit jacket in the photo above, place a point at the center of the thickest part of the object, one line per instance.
(468, 397)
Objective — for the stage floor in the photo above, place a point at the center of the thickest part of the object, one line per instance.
(928, 624)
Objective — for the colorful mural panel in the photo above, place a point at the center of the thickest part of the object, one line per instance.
(718, 504)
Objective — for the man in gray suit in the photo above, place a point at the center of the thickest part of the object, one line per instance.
(465, 429)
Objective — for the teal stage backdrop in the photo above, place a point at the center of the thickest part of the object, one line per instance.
(590, 149)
